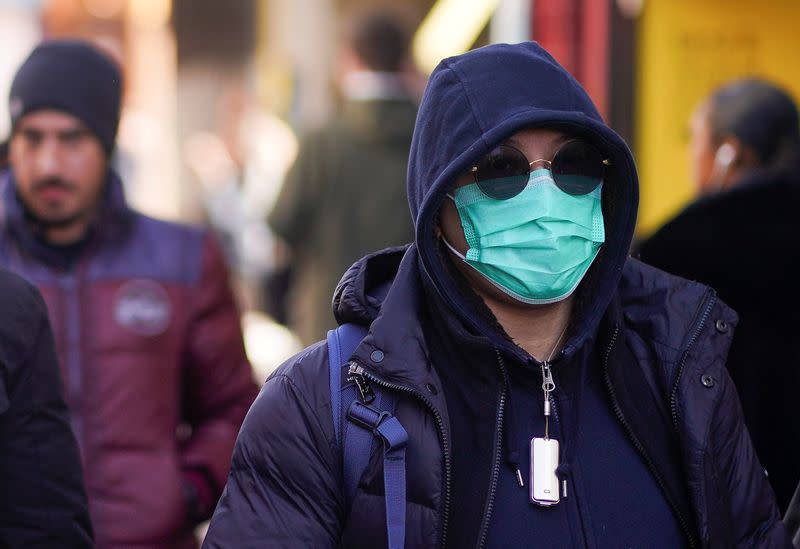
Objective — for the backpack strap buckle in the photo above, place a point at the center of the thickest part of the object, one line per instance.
(381, 423)
(355, 443)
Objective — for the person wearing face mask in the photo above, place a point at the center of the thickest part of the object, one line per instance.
(739, 237)
(552, 391)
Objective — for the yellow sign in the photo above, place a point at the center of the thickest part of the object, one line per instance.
(685, 49)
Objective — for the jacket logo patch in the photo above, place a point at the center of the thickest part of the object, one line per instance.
(143, 306)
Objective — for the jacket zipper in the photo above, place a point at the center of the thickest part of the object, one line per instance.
(501, 401)
(70, 284)
(618, 412)
(357, 371)
(673, 399)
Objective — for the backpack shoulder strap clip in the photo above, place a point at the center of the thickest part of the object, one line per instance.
(370, 419)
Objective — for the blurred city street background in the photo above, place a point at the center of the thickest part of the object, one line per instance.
(218, 93)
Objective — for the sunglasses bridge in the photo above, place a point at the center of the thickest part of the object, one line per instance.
(548, 164)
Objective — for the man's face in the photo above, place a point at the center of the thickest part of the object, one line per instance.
(59, 166)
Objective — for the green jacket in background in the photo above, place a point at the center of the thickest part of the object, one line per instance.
(344, 197)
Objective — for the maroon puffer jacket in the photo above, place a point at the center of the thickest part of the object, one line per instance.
(154, 367)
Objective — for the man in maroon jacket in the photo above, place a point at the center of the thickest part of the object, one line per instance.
(146, 328)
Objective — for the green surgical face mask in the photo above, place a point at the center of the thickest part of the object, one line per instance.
(535, 246)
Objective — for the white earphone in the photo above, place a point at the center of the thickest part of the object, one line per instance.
(725, 155)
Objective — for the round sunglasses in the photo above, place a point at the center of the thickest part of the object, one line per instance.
(577, 168)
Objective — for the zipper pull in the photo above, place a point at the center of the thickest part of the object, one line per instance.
(548, 385)
(356, 374)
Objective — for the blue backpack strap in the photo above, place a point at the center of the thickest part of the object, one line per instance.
(367, 422)
(356, 441)
(342, 342)
(395, 438)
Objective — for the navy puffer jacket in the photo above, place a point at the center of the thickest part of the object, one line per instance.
(664, 343)
(285, 488)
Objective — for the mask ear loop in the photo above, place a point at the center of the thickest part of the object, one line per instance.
(452, 249)
(446, 243)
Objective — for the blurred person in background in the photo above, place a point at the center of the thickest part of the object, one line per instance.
(515, 334)
(345, 194)
(741, 238)
(145, 324)
(239, 169)
(42, 497)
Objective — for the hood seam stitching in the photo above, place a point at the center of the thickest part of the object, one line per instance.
(470, 101)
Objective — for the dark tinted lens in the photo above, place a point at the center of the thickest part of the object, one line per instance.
(502, 173)
(578, 168)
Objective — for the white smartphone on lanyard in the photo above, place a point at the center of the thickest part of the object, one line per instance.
(544, 462)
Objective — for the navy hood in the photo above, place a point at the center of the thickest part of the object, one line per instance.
(479, 99)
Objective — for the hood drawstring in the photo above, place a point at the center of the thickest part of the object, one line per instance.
(512, 453)
(513, 458)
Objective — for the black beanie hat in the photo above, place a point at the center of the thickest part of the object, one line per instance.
(74, 77)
